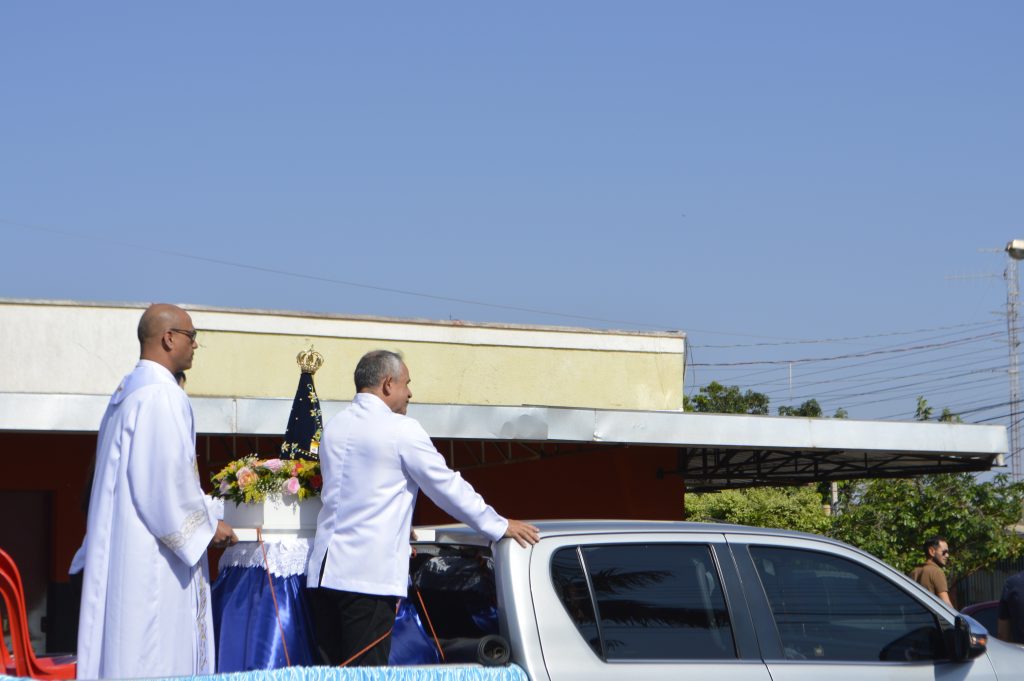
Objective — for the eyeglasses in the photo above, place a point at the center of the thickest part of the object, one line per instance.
(186, 332)
(945, 553)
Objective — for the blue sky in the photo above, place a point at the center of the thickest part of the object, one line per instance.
(745, 171)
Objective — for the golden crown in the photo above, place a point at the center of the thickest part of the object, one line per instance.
(309, 360)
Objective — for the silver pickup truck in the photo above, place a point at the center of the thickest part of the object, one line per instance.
(659, 600)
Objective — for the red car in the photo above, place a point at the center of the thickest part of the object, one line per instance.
(986, 612)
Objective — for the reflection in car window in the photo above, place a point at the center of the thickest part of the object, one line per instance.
(571, 585)
(654, 601)
(830, 608)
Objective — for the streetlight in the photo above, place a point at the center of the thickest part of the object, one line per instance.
(1014, 249)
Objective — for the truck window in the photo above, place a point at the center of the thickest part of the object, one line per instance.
(830, 608)
(645, 601)
(574, 592)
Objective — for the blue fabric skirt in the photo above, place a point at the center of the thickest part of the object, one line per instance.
(245, 625)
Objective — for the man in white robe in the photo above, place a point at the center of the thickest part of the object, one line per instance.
(145, 593)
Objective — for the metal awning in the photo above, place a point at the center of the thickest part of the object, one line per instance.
(713, 451)
(706, 469)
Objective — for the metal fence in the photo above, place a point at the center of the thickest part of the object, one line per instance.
(986, 585)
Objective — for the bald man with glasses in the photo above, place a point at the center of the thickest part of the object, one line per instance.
(145, 590)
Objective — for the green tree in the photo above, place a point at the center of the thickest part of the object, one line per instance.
(795, 508)
(791, 508)
(892, 518)
(809, 408)
(715, 398)
(889, 518)
(923, 411)
(949, 417)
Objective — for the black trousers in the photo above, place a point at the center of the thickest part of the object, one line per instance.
(345, 623)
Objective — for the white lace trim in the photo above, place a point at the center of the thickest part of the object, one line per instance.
(192, 522)
(200, 584)
(286, 557)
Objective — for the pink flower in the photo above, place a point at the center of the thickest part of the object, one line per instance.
(246, 476)
(290, 486)
(273, 464)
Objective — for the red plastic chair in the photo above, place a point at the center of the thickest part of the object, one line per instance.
(25, 661)
(6, 656)
(6, 659)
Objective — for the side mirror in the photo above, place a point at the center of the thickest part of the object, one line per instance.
(962, 642)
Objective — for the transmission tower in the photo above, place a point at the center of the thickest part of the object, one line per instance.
(1015, 249)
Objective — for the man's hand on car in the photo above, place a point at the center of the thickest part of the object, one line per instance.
(524, 533)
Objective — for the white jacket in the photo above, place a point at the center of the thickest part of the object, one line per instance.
(374, 462)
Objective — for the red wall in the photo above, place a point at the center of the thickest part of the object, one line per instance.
(591, 482)
(57, 465)
(609, 482)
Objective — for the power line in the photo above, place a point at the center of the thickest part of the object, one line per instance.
(843, 339)
(855, 373)
(852, 365)
(834, 396)
(859, 379)
(869, 353)
(914, 393)
(329, 280)
(845, 367)
(964, 408)
(839, 392)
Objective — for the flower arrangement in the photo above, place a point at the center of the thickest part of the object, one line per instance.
(250, 480)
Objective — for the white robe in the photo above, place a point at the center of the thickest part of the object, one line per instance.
(145, 594)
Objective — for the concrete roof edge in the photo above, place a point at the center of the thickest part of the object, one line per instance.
(255, 416)
(351, 317)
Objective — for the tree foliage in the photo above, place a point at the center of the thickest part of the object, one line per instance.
(715, 398)
(809, 408)
(924, 413)
(892, 518)
(791, 508)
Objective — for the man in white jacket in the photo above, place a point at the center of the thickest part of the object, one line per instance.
(374, 460)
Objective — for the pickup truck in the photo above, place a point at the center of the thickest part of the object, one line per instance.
(665, 600)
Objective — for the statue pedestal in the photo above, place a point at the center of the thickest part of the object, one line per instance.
(278, 517)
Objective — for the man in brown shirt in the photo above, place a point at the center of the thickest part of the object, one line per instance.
(930, 575)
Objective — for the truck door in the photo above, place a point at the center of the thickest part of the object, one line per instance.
(825, 611)
(642, 606)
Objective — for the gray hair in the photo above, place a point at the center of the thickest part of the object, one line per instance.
(375, 366)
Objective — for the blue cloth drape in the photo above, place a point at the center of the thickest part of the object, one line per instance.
(245, 625)
(410, 643)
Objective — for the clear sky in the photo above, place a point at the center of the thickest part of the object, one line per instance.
(743, 171)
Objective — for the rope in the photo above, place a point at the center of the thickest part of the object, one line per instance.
(379, 639)
(273, 596)
(429, 623)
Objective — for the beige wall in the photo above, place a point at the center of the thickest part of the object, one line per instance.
(69, 348)
(252, 365)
